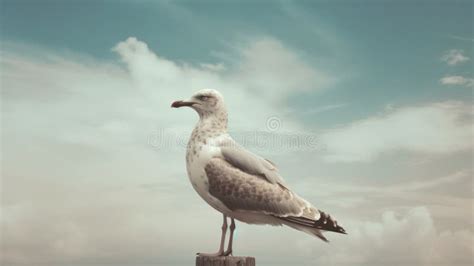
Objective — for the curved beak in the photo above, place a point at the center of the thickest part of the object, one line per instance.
(178, 104)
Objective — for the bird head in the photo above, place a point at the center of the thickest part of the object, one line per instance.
(206, 102)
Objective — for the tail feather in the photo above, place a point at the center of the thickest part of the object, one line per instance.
(314, 227)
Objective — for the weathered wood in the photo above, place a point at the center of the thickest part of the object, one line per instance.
(225, 261)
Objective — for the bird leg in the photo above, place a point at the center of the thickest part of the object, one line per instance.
(231, 237)
(220, 252)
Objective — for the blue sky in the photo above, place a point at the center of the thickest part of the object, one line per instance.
(384, 87)
(397, 45)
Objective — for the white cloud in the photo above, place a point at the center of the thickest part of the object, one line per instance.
(325, 108)
(317, 109)
(409, 238)
(416, 185)
(454, 57)
(447, 196)
(214, 67)
(434, 128)
(267, 66)
(402, 237)
(263, 67)
(457, 80)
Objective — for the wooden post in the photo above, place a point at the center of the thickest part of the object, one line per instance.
(225, 261)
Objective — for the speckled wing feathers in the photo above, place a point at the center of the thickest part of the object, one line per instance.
(239, 190)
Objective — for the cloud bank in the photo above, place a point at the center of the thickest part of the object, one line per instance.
(444, 127)
(82, 184)
(402, 238)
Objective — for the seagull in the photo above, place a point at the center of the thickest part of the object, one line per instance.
(241, 185)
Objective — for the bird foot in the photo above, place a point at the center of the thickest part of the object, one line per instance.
(227, 253)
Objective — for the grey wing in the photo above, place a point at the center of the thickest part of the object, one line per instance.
(250, 163)
(240, 190)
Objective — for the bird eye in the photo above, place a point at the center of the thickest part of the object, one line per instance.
(203, 98)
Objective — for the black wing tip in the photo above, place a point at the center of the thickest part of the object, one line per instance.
(339, 230)
(327, 223)
(342, 231)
